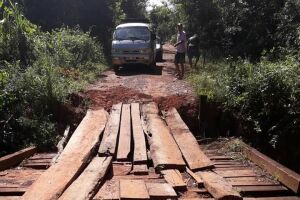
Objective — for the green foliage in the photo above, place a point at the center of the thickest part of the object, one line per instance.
(33, 92)
(264, 97)
(243, 28)
(164, 20)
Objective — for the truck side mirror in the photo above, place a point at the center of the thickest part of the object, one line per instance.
(153, 36)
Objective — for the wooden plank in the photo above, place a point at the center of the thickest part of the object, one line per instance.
(250, 183)
(37, 165)
(42, 156)
(218, 187)
(140, 169)
(196, 177)
(274, 198)
(86, 185)
(109, 191)
(42, 160)
(174, 178)
(10, 197)
(12, 191)
(161, 191)
(109, 142)
(73, 159)
(262, 190)
(133, 189)
(163, 148)
(193, 155)
(237, 173)
(286, 176)
(140, 152)
(13, 159)
(125, 134)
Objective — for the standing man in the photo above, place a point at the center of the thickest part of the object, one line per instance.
(180, 51)
(193, 50)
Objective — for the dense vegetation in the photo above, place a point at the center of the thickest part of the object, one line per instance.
(253, 68)
(38, 70)
(49, 50)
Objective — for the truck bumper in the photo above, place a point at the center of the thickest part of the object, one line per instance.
(131, 59)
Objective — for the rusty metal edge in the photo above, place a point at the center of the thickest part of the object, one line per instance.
(286, 176)
(13, 159)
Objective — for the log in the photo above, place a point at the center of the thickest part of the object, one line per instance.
(218, 187)
(140, 152)
(72, 160)
(286, 176)
(85, 186)
(133, 189)
(161, 191)
(163, 148)
(125, 134)
(109, 142)
(174, 178)
(13, 159)
(193, 155)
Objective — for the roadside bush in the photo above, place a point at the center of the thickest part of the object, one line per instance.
(56, 64)
(264, 97)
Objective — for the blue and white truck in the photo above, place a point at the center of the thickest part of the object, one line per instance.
(133, 43)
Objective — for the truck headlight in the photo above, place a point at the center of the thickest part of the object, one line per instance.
(145, 51)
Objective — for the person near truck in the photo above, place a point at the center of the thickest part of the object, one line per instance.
(180, 51)
(193, 50)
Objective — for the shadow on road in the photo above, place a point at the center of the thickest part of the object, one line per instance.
(132, 70)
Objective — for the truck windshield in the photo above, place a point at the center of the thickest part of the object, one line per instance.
(132, 33)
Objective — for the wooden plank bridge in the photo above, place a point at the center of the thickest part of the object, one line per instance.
(135, 152)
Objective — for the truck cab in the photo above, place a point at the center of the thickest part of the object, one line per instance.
(133, 43)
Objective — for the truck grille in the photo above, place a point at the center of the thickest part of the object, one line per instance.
(131, 52)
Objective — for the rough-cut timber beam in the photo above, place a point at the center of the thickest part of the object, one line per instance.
(11, 160)
(111, 132)
(163, 148)
(286, 176)
(193, 155)
(73, 159)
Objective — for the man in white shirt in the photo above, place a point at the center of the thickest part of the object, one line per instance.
(180, 51)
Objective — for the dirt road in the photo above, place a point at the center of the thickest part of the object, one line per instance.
(141, 84)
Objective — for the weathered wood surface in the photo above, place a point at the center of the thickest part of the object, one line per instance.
(140, 169)
(196, 177)
(10, 197)
(12, 191)
(262, 190)
(193, 155)
(218, 187)
(174, 178)
(274, 198)
(140, 151)
(13, 159)
(109, 141)
(133, 189)
(73, 159)
(237, 173)
(161, 191)
(109, 191)
(84, 187)
(163, 148)
(286, 176)
(125, 134)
